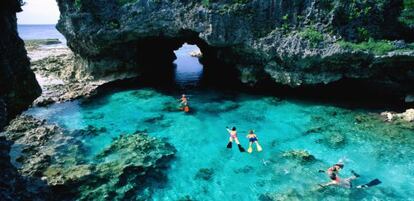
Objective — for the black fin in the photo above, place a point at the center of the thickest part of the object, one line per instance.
(373, 183)
(241, 149)
(229, 145)
(355, 174)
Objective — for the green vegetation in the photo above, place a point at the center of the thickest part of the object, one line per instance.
(312, 35)
(376, 47)
(78, 4)
(407, 14)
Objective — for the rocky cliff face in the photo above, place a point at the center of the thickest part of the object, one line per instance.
(18, 86)
(294, 43)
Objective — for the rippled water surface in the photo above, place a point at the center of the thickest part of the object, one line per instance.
(205, 170)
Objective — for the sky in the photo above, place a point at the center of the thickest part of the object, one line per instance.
(39, 12)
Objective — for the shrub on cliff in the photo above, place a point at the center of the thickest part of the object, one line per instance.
(407, 14)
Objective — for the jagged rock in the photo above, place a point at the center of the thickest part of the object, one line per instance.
(290, 43)
(18, 86)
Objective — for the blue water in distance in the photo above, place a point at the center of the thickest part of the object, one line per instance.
(28, 32)
(374, 151)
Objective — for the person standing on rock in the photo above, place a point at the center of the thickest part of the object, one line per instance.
(233, 136)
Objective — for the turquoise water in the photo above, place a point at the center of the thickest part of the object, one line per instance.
(373, 149)
(41, 31)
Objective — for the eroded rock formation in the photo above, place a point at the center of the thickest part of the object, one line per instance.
(18, 86)
(294, 43)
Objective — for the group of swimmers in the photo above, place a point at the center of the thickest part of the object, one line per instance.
(251, 136)
(332, 172)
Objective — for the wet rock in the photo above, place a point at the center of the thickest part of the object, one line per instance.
(56, 175)
(302, 156)
(205, 174)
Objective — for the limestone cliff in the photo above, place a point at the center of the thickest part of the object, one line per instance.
(18, 86)
(294, 43)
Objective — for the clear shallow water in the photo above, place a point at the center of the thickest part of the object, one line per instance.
(373, 150)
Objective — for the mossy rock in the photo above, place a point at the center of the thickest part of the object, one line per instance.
(300, 155)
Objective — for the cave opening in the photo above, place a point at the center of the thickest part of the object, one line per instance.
(183, 63)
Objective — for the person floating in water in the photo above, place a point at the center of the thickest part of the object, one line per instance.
(184, 103)
(253, 139)
(233, 136)
(333, 173)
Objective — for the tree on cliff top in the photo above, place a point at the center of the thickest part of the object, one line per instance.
(407, 14)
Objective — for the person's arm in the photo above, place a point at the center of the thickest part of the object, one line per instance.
(228, 130)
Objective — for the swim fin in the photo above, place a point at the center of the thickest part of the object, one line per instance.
(241, 149)
(229, 145)
(250, 149)
(370, 184)
(259, 148)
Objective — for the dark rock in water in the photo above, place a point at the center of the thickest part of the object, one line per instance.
(302, 156)
(144, 94)
(312, 130)
(152, 120)
(289, 195)
(94, 116)
(205, 174)
(224, 106)
(171, 107)
(89, 131)
(244, 170)
(186, 198)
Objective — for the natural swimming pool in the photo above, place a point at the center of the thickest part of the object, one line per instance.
(204, 169)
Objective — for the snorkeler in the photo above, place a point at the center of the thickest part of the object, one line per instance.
(184, 103)
(253, 139)
(346, 183)
(233, 136)
(336, 180)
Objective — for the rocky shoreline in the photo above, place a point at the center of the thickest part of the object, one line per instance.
(54, 67)
(53, 163)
